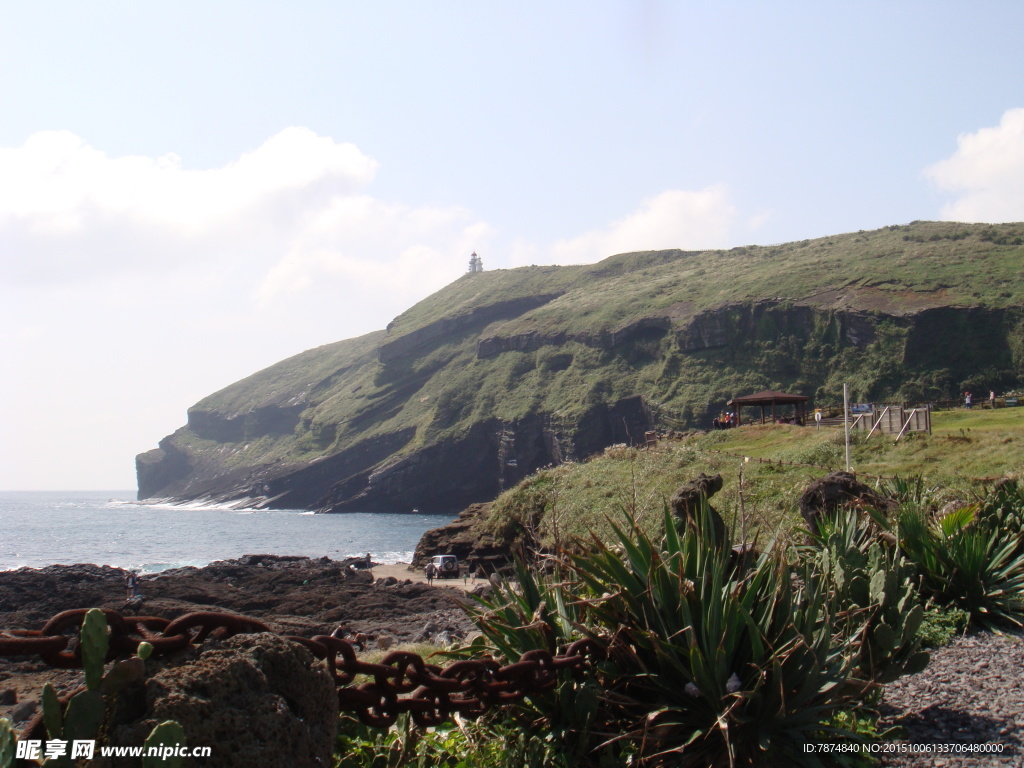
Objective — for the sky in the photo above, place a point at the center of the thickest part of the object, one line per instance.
(192, 191)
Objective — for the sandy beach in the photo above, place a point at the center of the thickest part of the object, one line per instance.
(402, 572)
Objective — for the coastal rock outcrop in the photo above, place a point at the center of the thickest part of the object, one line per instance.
(504, 372)
(253, 699)
(465, 538)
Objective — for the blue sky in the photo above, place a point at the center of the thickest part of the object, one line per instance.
(190, 192)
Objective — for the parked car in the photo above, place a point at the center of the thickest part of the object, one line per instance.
(447, 566)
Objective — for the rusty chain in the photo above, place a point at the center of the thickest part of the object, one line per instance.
(402, 682)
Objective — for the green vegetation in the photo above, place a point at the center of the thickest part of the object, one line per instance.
(764, 469)
(942, 625)
(873, 589)
(711, 657)
(491, 742)
(685, 331)
(710, 662)
(970, 558)
(82, 718)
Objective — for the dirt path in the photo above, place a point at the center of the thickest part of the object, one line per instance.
(401, 572)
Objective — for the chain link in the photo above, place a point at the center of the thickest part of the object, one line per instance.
(401, 682)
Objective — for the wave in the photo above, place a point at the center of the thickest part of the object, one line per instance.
(242, 506)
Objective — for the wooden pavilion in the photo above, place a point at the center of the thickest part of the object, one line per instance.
(773, 399)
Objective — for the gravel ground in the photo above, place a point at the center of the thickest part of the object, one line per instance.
(971, 693)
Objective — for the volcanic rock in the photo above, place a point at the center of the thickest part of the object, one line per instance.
(256, 700)
(839, 489)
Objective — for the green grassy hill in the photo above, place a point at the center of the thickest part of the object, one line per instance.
(768, 465)
(506, 371)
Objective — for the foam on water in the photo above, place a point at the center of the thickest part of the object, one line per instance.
(104, 528)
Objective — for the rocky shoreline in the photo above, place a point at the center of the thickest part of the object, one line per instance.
(293, 595)
(970, 693)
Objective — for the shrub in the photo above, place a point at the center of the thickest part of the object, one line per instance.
(709, 660)
(942, 625)
(495, 743)
(873, 590)
(971, 558)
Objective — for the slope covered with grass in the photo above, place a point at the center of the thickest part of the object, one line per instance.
(765, 468)
(505, 371)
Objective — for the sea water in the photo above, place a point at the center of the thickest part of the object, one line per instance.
(39, 528)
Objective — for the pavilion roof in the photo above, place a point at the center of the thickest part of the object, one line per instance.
(769, 397)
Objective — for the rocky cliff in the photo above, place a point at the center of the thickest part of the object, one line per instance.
(504, 372)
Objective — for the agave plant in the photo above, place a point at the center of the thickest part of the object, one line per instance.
(908, 490)
(971, 558)
(531, 612)
(710, 662)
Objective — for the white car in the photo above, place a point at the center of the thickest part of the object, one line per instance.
(446, 566)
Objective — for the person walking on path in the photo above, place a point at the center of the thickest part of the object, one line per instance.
(429, 572)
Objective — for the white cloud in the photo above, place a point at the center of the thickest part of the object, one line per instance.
(418, 246)
(133, 286)
(277, 221)
(986, 173)
(673, 219)
(55, 177)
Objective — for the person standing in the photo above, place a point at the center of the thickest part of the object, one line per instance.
(131, 585)
(967, 399)
(992, 398)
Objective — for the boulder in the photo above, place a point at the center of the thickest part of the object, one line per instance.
(255, 699)
(686, 502)
(839, 489)
(465, 538)
(24, 710)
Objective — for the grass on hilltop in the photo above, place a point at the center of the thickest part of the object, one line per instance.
(966, 452)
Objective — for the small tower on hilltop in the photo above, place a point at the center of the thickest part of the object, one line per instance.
(476, 264)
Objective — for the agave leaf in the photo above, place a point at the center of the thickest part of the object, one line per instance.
(957, 520)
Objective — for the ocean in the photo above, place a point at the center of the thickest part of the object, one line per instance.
(39, 528)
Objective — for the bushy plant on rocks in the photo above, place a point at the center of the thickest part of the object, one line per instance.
(971, 558)
(711, 659)
(873, 591)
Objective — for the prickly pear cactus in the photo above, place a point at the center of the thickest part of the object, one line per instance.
(52, 717)
(7, 748)
(84, 715)
(94, 644)
(166, 736)
(875, 587)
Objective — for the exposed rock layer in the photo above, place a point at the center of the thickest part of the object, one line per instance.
(502, 373)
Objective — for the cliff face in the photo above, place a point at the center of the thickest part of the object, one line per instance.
(504, 372)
